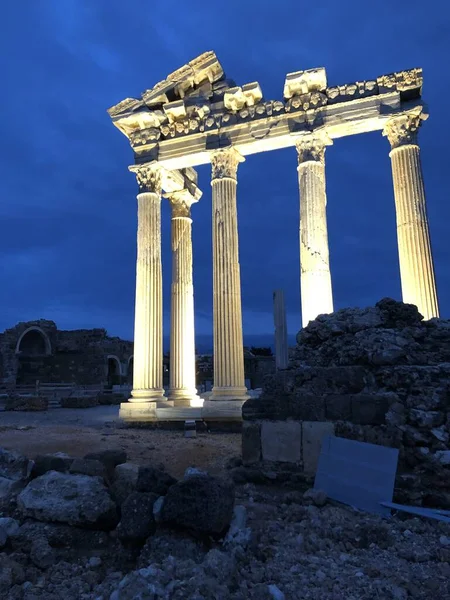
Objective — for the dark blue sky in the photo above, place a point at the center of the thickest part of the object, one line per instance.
(67, 201)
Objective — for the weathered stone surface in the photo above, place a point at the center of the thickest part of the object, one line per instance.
(155, 480)
(26, 403)
(203, 504)
(281, 441)
(42, 554)
(338, 407)
(251, 442)
(110, 458)
(13, 465)
(59, 535)
(312, 435)
(73, 499)
(137, 522)
(51, 462)
(15, 470)
(370, 409)
(88, 466)
(125, 480)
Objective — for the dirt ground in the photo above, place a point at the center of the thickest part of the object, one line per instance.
(78, 432)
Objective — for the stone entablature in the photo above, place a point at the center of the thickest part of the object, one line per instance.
(198, 106)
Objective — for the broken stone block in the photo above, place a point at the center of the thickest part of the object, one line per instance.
(338, 407)
(370, 409)
(281, 441)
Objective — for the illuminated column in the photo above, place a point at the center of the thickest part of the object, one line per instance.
(229, 378)
(148, 323)
(182, 330)
(315, 278)
(414, 247)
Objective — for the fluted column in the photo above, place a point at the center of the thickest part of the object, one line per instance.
(229, 378)
(315, 278)
(413, 235)
(182, 329)
(148, 320)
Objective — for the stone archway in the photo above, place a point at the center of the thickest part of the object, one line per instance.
(34, 354)
(33, 342)
(114, 373)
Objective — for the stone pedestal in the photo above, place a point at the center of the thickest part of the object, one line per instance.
(413, 235)
(229, 378)
(315, 278)
(281, 341)
(148, 322)
(182, 330)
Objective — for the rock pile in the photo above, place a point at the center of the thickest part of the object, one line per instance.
(57, 507)
(382, 375)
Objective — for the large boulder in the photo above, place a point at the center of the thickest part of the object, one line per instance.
(202, 503)
(155, 480)
(125, 480)
(59, 461)
(110, 458)
(137, 522)
(74, 499)
(15, 470)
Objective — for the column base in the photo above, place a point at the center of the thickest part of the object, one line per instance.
(150, 395)
(181, 397)
(229, 393)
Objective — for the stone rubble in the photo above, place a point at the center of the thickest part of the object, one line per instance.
(275, 543)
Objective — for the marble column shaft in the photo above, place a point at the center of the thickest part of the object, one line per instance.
(315, 277)
(148, 323)
(229, 378)
(413, 235)
(281, 341)
(182, 329)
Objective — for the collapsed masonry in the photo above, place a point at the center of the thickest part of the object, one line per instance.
(379, 375)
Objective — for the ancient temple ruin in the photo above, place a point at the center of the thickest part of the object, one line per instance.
(198, 116)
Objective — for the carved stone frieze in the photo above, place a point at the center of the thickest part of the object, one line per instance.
(311, 146)
(198, 99)
(148, 178)
(225, 163)
(403, 129)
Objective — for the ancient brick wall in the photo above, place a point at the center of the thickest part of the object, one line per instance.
(379, 375)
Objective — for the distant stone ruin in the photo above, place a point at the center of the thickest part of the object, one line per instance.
(39, 351)
(379, 375)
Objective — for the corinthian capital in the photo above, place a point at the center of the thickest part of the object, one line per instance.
(311, 146)
(181, 202)
(148, 177)
(225, 163)
(403, 129)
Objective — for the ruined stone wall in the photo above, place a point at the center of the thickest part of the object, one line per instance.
(79, 356)
(379, 375)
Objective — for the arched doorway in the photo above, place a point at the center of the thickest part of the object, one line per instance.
(33, 352)
(130, 370)
(33, 342)
(114, 371)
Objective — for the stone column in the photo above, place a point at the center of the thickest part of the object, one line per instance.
(315, 278)
(413, 235)
(182, 330)
(229, 378)
(281, 343)
(148, 320)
